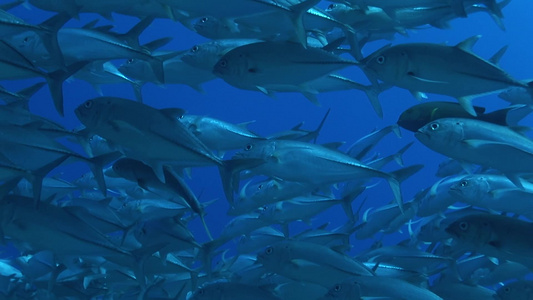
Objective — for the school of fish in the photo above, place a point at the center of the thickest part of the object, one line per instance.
(135, 225)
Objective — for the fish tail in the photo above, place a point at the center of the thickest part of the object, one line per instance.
(157, 66)
(316, 132)
(97, 163)
(55, 83)
(49, 36)
(205, 226)
(372, 92)
(28, 92)
(298, 11)
(347, 203)
(396, 190)
(230, 174)
(39, 174)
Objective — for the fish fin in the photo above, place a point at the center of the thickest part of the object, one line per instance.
(398, 156)
(495, 244)
(137, 90)
(404, 173)
(440, 24)
(466, 103)
(419, 95)
(314, 134)
(467, 44)
(97, 163)
(522, 130)
(28, 92)
(132, 36)
(298, 11)
(301, 263)
(495, 59)
(311, 97)
(55, 83)
(158, 169)
(516, 113)
(332, 46)
(372, 93)
(412, 74)
(467, 167)
(229, 174)
(265, 91)
(156, 44)
(333, 145)
(396, 129)
(49, 36)
(39, 174)
(515, 179)
(173, 113)
(347, 202)
(395, 186)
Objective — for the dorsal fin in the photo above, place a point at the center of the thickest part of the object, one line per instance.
(495, 59)
(174, 113)
(467, 44)
(132, 36)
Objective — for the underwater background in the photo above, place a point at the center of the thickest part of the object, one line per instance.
(351, 115)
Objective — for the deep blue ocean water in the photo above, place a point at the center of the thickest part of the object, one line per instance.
(351, 115)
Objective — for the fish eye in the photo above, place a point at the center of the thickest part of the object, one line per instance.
(223, 63)
(200, 292)
(88, 104)
(507, 289)
(259, 187)
(130, 61)
(204, 19)
(26, 39)
(463, 226)
(434, 126)
(380, 59)
(464, 183)
(337, 288)
(195, 48)
(331, 6)
(269, 250)
(248, 147)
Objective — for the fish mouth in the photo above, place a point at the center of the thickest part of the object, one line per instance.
(421, 134)
(455, 191)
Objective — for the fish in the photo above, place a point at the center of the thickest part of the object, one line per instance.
(232, 290)
(258, 66)
(305, 261)
(128, 124)
(497, 236)
(16, 66)
(482, 143)
(446, 70)
(305, 162)
(219, 135)
(518, 290)
(145, 177)
(495, 192)
(375, 286)
(419, 115)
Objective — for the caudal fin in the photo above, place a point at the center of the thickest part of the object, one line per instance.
(55, 83)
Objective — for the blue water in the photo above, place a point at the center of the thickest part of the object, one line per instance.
(351, 115)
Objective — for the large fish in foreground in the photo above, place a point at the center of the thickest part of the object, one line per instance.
(311, 163)
(495, 236)
(153, 136)
(421, 114)
(482, 143)
(267, 65)
(446, 70)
